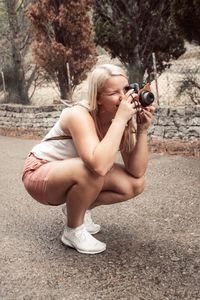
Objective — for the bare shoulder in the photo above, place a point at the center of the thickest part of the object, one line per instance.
(74, 117)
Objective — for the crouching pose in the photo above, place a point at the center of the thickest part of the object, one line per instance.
(75, 164)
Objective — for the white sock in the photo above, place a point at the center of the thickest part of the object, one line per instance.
(80, 227)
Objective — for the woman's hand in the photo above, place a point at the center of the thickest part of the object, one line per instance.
(144, 118)
(127, 107)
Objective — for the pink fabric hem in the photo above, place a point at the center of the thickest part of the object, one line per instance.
(35, 177)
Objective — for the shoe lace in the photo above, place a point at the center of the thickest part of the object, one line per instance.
(82, 234)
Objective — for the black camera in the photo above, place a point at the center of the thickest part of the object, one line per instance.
(145, 96)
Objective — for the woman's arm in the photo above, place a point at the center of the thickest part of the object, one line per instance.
(98, 156)
(136, 160)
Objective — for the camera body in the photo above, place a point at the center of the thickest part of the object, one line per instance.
(145, 96)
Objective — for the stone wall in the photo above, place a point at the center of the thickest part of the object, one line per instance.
(175, 126)
(177, 123)
(28, 121)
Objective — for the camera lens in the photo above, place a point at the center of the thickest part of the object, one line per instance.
(146, 98)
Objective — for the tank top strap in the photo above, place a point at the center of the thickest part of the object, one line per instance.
(58, 137)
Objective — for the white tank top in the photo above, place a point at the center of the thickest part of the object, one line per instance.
(55, 149)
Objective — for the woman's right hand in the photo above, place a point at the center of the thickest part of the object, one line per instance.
(127, 107)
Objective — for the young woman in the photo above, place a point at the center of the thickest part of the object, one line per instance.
(75, 162)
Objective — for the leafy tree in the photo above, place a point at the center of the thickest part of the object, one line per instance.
(190, 85)
(131, 30)
(62, 39)
(186, 14)
(15, 39)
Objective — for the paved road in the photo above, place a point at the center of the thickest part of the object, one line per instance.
(152, 242)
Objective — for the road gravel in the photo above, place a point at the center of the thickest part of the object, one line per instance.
(153, 241)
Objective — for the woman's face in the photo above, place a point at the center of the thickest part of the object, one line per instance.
(112, 92)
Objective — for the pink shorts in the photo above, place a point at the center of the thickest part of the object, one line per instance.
(35, 177)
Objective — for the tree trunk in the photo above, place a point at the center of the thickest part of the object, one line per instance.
(19, 93)
(135, 67)
(63, 86)
(136, 73)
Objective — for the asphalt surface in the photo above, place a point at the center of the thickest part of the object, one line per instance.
(153, 241)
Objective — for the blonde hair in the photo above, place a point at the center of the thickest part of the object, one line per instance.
(97, 79)
(94, 84)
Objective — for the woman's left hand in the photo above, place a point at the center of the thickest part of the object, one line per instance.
(144, 118)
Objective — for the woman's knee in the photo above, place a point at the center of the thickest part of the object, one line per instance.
(67, 174)
(137, 186)
(91, 179)
(77, 172)
(133, 187)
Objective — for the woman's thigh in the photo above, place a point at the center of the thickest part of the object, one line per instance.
(64, 174)
(49, 182)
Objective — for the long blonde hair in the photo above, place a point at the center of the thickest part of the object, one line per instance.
(97, 79)
(94, 84)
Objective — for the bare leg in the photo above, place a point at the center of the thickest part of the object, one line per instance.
(119, 186)
(80, 197)
(70, 181)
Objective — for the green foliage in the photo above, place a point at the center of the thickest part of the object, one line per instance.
(190, 85)
(131, 30)
(186, 14)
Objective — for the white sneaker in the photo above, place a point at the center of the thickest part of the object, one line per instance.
(90, 226)
(80, 239)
